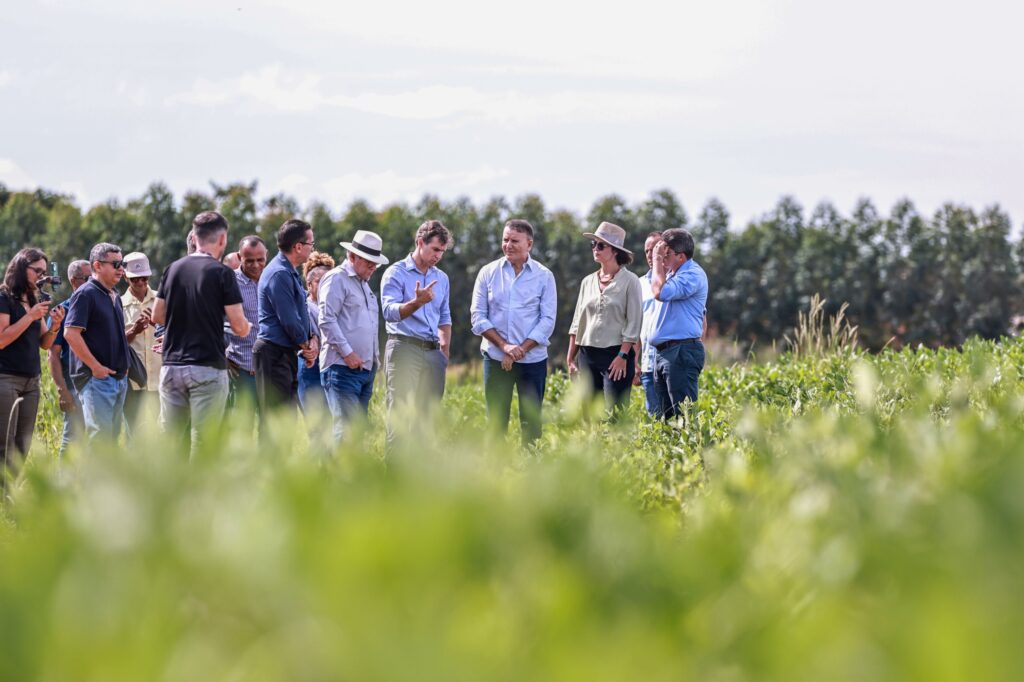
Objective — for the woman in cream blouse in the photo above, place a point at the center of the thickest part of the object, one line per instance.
(607, 320)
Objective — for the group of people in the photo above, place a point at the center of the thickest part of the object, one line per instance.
(227, 329)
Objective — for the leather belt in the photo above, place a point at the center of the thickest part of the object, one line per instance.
(426, 345)
(673, 342)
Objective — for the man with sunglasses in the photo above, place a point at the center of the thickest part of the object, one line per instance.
(138, 304)
(94, 330)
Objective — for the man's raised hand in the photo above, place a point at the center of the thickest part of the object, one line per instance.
(425, 294)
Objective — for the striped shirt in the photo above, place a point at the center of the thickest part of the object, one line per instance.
(239, 350)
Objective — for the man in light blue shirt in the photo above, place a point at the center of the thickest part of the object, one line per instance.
(348, 322)
(681, 288)
(514, 304)
(646, 353)
(418, 320)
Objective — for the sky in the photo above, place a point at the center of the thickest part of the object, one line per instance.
(740, 100)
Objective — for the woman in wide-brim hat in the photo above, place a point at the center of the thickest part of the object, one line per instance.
(607, 320)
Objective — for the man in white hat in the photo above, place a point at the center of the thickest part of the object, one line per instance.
(348, 321)
(138, 309)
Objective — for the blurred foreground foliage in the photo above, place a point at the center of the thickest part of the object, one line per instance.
(838, 517)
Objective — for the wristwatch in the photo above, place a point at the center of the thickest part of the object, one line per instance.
(623, 355)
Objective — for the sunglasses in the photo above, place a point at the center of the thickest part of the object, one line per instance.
(39, 271)
(597, 246)
(139, 279)
(116, 264)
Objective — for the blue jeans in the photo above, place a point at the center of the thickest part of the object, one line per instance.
(651, 399)
(348, 394)
(103, 407)
(675, 376)
(529, 379)
(312, 394)
(73, 423)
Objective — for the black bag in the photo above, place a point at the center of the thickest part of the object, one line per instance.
(137, 368)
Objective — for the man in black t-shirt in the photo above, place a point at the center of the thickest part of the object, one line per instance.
(195, 295)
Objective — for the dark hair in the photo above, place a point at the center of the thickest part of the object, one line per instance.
(621, 257)
(291, 233)
(16, 278)
(520, 225)
(433, 228)
(250, 240)
(679, 240)
(207, 225)
(100, 251)
(655, 233)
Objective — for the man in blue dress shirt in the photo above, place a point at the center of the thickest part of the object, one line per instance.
(514, 305)
(418, 320)
(284, 321)
(681, 288)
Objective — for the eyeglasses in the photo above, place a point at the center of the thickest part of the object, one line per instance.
(597, 246)
(138, 279)
(116, 264)
(308, 243)
(39, 271)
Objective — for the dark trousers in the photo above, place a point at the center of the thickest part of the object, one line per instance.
(529, 380)
(594, 363)
(675, 376)
(19, 403)
(277, 382)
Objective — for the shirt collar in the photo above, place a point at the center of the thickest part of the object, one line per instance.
(347, 268)
(528, 265)
(410, 264)
(129, 299)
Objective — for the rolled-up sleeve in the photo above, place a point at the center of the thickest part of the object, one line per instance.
(541, 332)
(479, 310)
(634, 312)
(391, 295)
(575, 326)
(445, 314)
(680, 286)
(332, 297)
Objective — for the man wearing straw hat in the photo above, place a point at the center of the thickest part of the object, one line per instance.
(348, 322)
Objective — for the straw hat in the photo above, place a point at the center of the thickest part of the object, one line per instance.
(367, 244)
(610, 234)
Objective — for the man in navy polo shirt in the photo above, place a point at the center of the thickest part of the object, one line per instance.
(94, 330)
(681, 287)
(285, 330)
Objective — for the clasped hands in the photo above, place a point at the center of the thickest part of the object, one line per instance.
(513, 353)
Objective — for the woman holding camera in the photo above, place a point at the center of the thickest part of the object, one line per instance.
(23, 331)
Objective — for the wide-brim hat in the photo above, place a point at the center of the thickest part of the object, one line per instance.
(611, 234)
(136, 264)
(367, 245)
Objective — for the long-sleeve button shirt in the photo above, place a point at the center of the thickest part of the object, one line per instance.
(348, 318)
(283, 316)
(398, 286)
(144, 340)
(239, 350)
(517, 307)
(683, 299)
(611, 317)
(647, 351)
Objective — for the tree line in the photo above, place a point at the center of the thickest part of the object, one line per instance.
(908, 278)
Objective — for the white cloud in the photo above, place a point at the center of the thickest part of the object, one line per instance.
(388, 186)
(14, 176)
(6, 77)
(274, 87)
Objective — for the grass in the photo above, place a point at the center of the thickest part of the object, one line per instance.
(830, 516)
